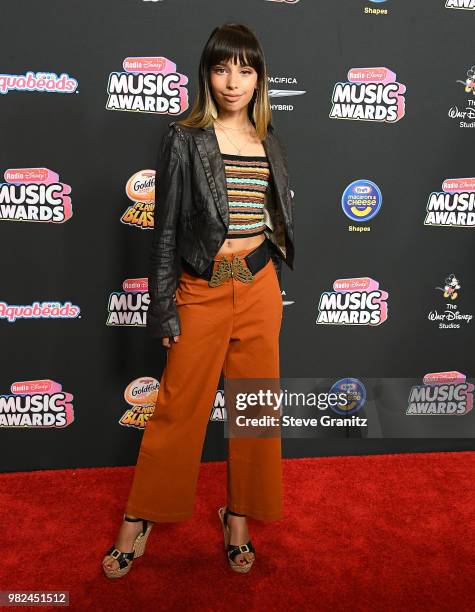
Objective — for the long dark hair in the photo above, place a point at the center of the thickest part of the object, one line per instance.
(236, 42)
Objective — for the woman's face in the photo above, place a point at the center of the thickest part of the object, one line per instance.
(233, 85)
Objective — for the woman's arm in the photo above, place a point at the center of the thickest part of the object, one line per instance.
(162, 315)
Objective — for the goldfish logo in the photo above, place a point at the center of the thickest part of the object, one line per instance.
(141, 396)
(140, 189)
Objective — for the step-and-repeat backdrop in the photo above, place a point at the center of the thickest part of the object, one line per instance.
(375, 103)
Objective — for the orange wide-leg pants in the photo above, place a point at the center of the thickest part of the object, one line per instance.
(234, 329)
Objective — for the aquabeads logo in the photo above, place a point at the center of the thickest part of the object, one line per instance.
(454, 205)
(48, 82)
(353, 301)
(128, 308)
(468, 113)
(44, 310)
(451, 318)
(148, 85)
(141, 396)
(36, 404)
(34, 194)
(442, 393)
(361, 201)
(370, 94)
(467, 5)
(140, 189)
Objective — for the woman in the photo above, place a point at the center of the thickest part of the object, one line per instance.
(223, 204)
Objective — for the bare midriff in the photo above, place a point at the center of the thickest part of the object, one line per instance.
(233, 245)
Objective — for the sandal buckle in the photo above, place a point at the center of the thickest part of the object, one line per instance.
(115, 553)
(244, 548)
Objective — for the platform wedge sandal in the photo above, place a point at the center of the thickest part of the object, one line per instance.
(125, 559)
(232, 550)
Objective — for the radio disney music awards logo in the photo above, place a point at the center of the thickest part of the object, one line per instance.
(355, 393)
(141, 397)
(442, 393)
(454, 205)
(467, 5)
(36, 404)
(353, 301)
(140, 188)
(370, 94)
(45, 82)
(39, 310)
(451, 318)
(128, 308)
(148, 85)
(361, 201)
(468, 113)
(35, 195)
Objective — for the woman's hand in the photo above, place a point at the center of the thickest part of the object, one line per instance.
(166, 341)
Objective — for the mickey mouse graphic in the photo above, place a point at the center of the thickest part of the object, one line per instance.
(451, 287)
(469, 81)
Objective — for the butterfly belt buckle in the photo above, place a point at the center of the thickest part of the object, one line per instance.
(236, 269)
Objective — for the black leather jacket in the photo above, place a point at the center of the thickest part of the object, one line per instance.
(192, 218)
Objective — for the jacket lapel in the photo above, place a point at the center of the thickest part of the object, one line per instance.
(213, 164)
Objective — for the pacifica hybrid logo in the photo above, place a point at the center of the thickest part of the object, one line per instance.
(361, 201)
(128, 308)
(353, 301)
(451, 318)
(442, 393)
(467, 5)
(454, 205)
(148, 85)
(141, 396)
(39, 310)
(36, 404)
(370, 94)
(35, 195)
(140, 189)
(48, 82)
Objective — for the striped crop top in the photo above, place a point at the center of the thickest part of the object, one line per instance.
(247, 179)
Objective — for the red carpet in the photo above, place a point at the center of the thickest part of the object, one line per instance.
(380, 532)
